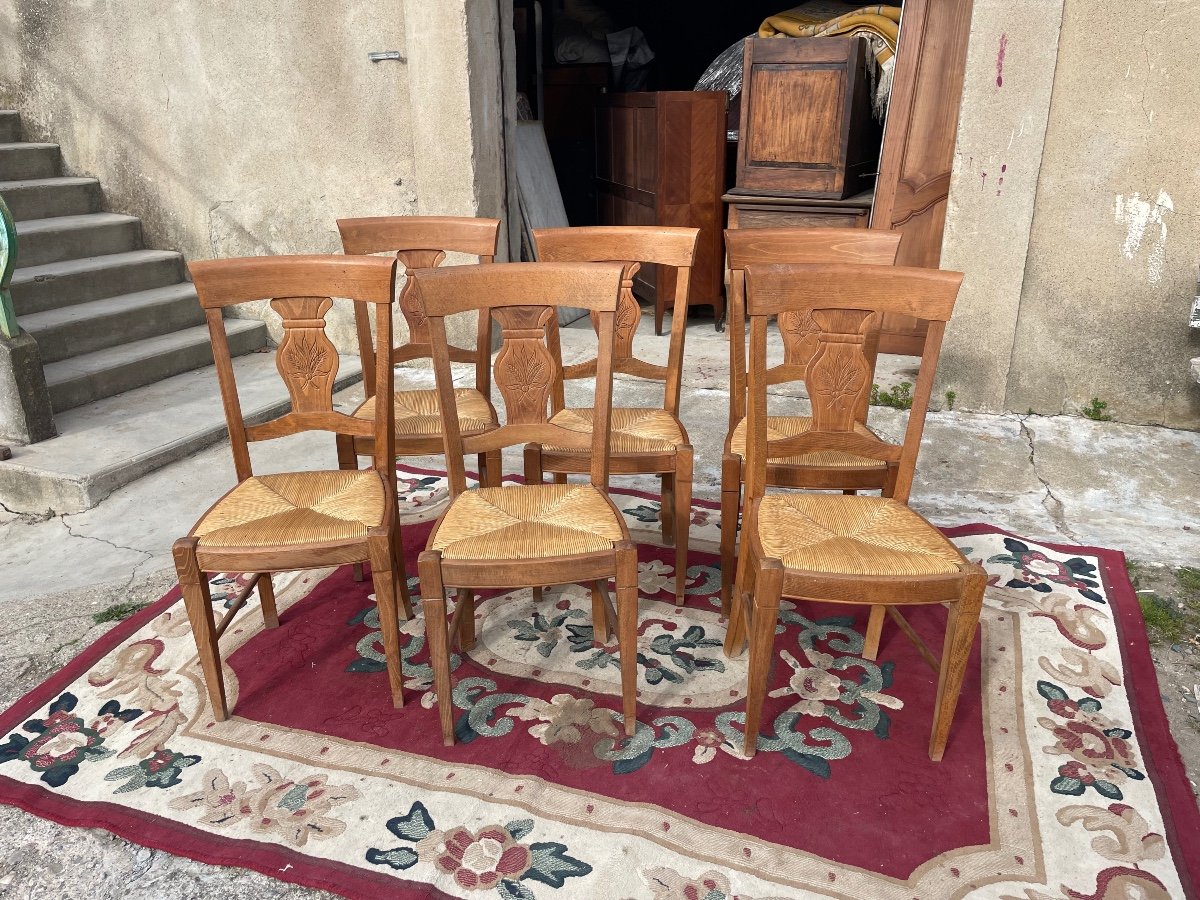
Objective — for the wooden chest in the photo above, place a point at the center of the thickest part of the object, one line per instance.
(806, 127)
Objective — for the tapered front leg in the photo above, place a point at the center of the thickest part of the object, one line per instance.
(433, 602)
(466, 621)
(627, 630)
(382, 562)
(198, 603)
(767, 591)
(961, 624)
(599, 613)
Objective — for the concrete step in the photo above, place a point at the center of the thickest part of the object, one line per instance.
(40, 198)
(42, 241)
(88, 327)
(106, 373)
(108, 444)
(55, 285)
(22, 160)
(10, 125)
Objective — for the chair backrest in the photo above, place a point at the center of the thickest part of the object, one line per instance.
(524, 298)
(300, 289)
(632, 246)
(422, 242)
(778, 246)
(846, 302)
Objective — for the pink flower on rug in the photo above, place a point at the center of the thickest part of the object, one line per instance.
(481, 861)
(707, 742)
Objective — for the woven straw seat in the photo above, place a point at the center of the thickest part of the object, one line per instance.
(790, 426)
(295, 508)
(533, 521)
(872, 536)
(632, 430)
(418, 415)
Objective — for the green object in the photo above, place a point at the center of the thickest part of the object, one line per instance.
(1095, 410)
(8, 262)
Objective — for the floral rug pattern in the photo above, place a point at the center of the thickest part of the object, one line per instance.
(544, 796)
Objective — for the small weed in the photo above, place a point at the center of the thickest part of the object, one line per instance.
(1030, 412)
(1189, 578)
(1095, 410)
(899, 397)
(1162, 617)
(951, 396)
(117, 612)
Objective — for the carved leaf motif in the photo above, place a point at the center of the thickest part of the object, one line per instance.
(799, 332)
(523, 377)
(842, 377)
(308, 361)
(411, 306)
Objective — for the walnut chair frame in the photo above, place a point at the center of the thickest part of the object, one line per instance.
(645, 441)
(905, 561)
(421, 242)
(526, 551)
(254, 528)
(798, 333)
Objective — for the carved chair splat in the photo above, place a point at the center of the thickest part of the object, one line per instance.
(831, 547)
(526, 535)
(644, 440)
(297, 520)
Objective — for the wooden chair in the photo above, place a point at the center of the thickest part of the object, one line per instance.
(644, 440)
(828, 469)
(533, 534)
(421, 242)
(297, 520)
(832, 547)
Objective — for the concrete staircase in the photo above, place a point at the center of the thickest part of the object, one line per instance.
(122, 339)
(108, 315)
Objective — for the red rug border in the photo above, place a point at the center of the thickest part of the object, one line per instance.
(1165, 766)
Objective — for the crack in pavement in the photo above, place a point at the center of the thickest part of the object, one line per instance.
(1053, 506)
(133, 573)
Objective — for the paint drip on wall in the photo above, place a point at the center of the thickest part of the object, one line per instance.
(1138, 216)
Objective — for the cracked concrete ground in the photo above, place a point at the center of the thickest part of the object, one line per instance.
(1060, 479)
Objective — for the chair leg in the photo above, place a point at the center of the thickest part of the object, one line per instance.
(266, 599)
(466, 621)
(383, 554)
(660, 306)
(600, 621)
(961, 624)
(433, 600)
(348, 461)
(494, 467)
(731, 499)
(533, 464)
(874, 631)
(743, 591)
(767, 592)
(627, 619)
(666, 507)
(682, 514)
(400, 570)
(198, 602)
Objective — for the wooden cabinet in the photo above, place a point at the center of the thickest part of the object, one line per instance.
(806, 126)
(660, 160)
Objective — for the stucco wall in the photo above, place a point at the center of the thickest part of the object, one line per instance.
(1081, 266)
(244, 127)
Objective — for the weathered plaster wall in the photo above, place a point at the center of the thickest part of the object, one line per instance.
(231, 127)
(1081, 265)
(1002, 127)
(1116, 233)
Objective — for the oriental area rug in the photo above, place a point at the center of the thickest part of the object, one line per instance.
(1060, 780)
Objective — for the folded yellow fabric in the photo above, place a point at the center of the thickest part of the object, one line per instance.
(879, 24)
